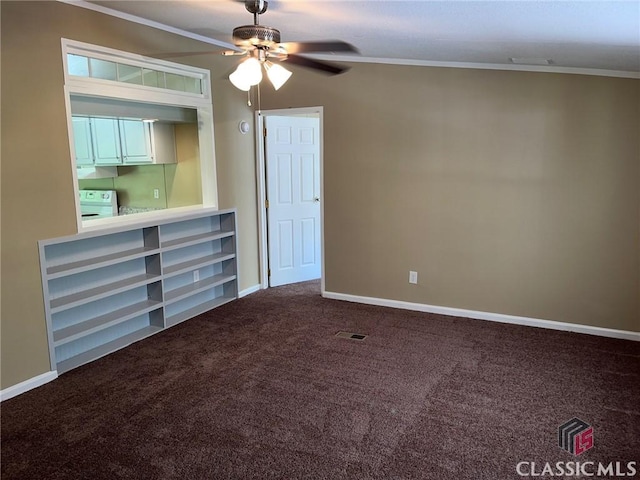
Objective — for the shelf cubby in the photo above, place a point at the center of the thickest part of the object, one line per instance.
(198, 262)
(102, 348)
(193, 231)
(83, 320)
(176, 259)
(79, 255)
(105, 280)
(184, 307)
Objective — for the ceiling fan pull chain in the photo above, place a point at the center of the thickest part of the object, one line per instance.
(258, 98)
(249, 98)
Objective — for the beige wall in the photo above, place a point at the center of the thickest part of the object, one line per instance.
(37, 190)
(509, 192)
(182, 179)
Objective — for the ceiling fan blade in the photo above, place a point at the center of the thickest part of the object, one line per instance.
(181, 54)
(327, 46)
(323, 67)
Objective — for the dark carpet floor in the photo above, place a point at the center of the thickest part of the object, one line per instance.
(261, 388)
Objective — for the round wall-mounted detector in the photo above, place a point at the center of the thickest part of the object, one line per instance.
(244, 127)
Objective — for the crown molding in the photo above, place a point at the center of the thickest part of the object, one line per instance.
(147, 22)
(482, 66)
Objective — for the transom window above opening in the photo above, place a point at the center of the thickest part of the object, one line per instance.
(89, 67)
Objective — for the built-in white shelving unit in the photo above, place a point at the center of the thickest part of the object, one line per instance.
(104, 290)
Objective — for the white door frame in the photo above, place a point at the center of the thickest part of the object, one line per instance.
(262, 190)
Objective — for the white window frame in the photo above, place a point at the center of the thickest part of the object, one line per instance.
(95, 87)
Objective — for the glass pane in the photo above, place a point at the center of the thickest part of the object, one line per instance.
(103, 69)
(175, 82)
(192, 85)
(78, 65)
(129, 74)
(152, 78)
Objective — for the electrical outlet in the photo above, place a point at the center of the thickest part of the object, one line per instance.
(413, 277)
(196, 276)
(156, 193)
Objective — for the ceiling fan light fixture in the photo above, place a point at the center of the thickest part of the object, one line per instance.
(247, 74)
(238, 81)
(278, 75)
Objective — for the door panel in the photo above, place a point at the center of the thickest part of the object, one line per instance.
(285, 243)
(306, 136)
(292, 155)
(308, 235)
(284, 180)
(308, 180)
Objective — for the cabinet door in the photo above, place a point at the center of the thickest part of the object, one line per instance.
(106, 141)
(136, 141)
(82, 141)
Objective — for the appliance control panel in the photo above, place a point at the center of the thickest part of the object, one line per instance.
(97, 195)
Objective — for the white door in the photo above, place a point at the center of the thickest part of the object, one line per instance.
(292, 155)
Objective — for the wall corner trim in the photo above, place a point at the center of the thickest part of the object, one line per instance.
(492, 317)
(249, 291)
(27, 385)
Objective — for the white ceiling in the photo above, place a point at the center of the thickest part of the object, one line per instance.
(597, 37)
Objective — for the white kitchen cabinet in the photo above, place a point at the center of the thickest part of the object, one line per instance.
(105, 137)
(106, 290)
(102, 141)
(147, 142)
(82, 141)
(135, 138)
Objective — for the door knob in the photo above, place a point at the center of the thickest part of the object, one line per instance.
(316, 199)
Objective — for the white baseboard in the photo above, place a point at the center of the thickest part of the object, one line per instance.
(27, 385)
(493, 317)
(249, 291)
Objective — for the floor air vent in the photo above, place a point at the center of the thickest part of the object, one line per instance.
(351, 336)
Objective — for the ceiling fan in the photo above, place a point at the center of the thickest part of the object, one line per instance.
(261, 44)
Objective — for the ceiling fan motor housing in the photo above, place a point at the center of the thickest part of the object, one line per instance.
(258, 35)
